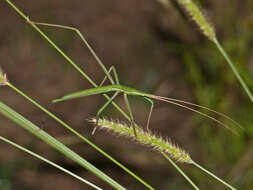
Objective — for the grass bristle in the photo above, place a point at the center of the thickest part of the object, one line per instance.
(146, 138)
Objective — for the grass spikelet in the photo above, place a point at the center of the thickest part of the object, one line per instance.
(154, 141)
(146, 138)
(196, 15)
(3, 78)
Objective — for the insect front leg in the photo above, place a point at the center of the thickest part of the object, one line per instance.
(102, 109)
(112, 68)
(83, 40)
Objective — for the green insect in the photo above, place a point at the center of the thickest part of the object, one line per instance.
(117, 88)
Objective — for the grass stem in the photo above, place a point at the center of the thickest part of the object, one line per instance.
(180, 170)
(214, 176)
(236, 73)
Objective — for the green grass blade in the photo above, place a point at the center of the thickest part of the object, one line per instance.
(29, 126)
(49, 162)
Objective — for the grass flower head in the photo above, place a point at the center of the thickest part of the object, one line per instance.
(146, 138)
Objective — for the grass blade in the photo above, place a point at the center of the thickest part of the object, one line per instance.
(49, 162)
(29, 126)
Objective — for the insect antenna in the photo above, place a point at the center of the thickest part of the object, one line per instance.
(177, 103)
(202, 107)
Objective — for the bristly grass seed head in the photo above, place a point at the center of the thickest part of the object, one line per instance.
(3, 78)
(145, 138)
(195, 13)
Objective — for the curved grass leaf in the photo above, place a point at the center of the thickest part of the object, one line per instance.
(32, 128)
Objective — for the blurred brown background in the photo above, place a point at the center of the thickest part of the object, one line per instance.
(154, 48)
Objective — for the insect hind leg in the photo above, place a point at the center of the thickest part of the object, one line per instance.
(150, 112)
(131, 114)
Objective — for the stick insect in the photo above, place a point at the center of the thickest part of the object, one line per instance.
(117, 88)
